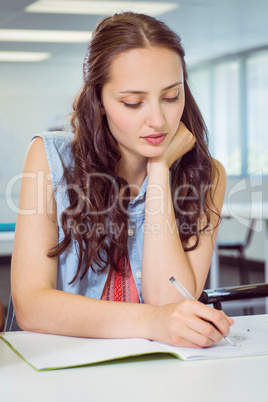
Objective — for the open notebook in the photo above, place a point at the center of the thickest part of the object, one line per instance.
(47, 352)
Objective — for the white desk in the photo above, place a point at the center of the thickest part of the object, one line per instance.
(243, 213)
(144, 379)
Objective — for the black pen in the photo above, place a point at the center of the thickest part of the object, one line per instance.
(188, 295)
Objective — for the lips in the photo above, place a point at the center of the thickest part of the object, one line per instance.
(155, 139)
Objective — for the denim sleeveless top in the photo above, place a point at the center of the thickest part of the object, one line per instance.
(58, 153)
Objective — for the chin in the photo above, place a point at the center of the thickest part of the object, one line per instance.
(152, 153)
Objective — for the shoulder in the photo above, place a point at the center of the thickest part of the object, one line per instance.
(219, 166)
(219, 183)
(219, 173)
(58, 140)
(56, 145)
(49, 140)
(35, 156)
(56, 136)
(51, 153)
(36, 167)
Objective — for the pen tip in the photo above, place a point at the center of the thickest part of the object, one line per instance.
(172, 279)
(230, 341)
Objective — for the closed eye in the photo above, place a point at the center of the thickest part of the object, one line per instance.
(132, 105)
(138, 104)
(172, 99)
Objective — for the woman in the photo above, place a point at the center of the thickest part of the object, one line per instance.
(132, 198)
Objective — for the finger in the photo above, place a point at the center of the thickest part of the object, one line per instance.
(182, 126)
(183, 343)
(189, 338)
(210, 330)
(198, 339)
(229, 319)
(217, 317)
(183, 129)
(207, 313)
(186, 343)
(196, 330)
(205, 329)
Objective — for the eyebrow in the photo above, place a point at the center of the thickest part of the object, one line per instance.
(129, 91)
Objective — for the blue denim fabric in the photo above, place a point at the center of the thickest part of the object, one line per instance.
(58, 152)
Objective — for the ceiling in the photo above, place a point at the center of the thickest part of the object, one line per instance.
(209, 28)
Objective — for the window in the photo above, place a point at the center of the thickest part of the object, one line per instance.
(257, 109)
(232, 94)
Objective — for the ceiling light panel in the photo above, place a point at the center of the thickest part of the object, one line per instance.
(23, 56)
(31, 35)
(99, 7)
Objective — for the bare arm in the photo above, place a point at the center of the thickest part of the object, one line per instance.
(163, 253)
(40, 307)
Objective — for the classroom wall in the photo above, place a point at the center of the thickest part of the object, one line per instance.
(33, 98)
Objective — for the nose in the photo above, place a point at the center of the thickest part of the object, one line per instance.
(155, 118)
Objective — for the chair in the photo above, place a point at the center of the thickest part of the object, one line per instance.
(240, 248)
(220, 295)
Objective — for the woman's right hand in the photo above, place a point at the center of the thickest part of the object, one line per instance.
(186, 324)
(182, 142)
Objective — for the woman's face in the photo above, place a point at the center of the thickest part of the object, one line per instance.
(144, 101)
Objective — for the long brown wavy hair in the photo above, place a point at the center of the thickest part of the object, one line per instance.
(95, 211)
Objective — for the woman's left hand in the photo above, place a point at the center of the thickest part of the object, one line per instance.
(182, 142)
